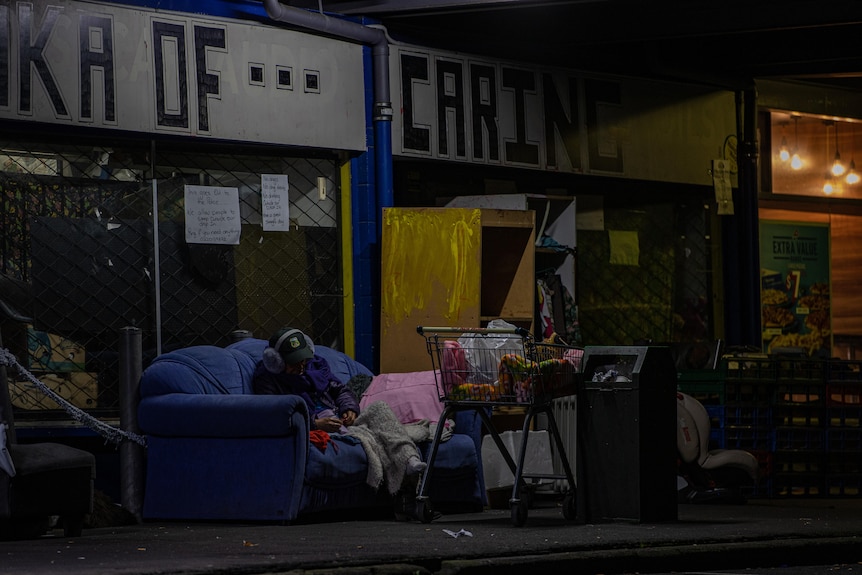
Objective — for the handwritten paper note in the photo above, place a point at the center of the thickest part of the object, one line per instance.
(274, 202)
(212, 215)
(625, 248)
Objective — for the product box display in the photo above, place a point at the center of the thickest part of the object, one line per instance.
(52, 352)
(79, 388)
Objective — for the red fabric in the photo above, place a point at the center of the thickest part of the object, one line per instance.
(320, 439)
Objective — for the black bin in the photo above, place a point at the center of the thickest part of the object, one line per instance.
(626, 456)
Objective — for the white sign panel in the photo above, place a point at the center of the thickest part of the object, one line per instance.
(463, 108)
(134, 69)
(212, 215)
(274, 203)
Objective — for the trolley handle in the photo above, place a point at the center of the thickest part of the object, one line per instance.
(522, 332)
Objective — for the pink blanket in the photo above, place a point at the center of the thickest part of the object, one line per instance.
(412, 396)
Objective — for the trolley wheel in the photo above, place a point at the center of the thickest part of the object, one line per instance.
(519, 512)
(570, 506)
(424, 511)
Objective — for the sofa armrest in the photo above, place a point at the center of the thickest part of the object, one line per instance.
(215, 415)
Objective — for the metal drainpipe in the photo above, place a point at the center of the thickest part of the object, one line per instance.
(376, 38)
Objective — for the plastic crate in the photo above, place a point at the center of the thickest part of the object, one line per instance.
(799, 416)
(800, 370)
(844, 416)
(761, 490)
(839, 370)
(845, 440)
(765, 463)
(748, 393)
(799, 462)
(843, 462)
(705, 385)
(748, 416)
(844, 393)
(800, 393)
(844, 485)
(792, 485)
(753, 369)
(748, 438)
(799, 439)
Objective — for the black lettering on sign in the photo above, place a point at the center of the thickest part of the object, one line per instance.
(558, 121)
(521, 82)
(414, 70)
(483, 95)
(164, 34)
(450, 99)
(4, 56)
(602, 93)
(206, 38)
(96, 37)
(31, 54)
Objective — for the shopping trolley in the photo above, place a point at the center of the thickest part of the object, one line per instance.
(479, 368)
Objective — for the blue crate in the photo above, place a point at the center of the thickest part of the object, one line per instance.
(799, 439)
(787, 462)
(748, 437)
(748, 416)
(844, 440)
(798, 485)
(788, 415)
(844, 416)
(844, 485)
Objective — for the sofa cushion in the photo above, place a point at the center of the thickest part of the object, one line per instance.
(342, 463)
(456, 456)
(202, 369)
(341, 365)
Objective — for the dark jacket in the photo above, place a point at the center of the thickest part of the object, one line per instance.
(317, 386)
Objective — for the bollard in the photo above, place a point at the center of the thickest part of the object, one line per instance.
(131, 454)
(239, 335)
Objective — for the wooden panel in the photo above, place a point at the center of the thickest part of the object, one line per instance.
(846, 262)
(451, 267)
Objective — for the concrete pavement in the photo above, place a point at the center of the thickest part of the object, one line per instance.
(759, 533)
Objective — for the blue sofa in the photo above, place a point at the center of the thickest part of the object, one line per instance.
(216, 451)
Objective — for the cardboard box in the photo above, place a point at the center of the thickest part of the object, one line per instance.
(51, 352)
(80, 388)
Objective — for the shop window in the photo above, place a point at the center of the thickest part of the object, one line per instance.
(813, 155)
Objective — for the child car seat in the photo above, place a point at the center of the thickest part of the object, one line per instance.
(710, 475)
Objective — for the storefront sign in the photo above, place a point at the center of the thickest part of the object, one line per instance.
(795, 289)
(468, 109)
(107, 66)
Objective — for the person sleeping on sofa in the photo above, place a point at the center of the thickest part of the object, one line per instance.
(290, 366)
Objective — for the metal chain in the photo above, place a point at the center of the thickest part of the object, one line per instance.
(112, 434)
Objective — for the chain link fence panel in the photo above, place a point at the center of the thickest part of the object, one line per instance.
(647, 277)
(82, 257)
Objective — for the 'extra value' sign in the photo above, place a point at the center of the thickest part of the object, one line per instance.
(107, 66)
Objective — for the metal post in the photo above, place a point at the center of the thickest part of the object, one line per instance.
(240, 334)
(131, 454)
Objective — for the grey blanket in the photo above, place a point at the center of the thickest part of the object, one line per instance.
(388, 444)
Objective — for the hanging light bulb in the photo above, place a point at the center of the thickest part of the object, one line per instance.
(828, 188)
(852, 176)
(838, 168)
(795, 160)
(783, 152)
